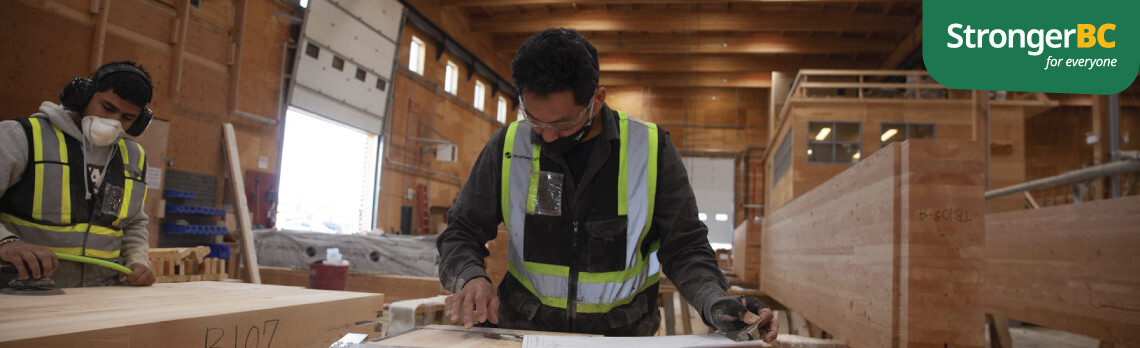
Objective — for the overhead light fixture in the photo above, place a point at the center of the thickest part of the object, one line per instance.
(721, 217)
(714, 97)
(726, 44)
(857, 155)
(888, 134)
(823, 133)
(305, 3)
(702, 216)
(809, 152)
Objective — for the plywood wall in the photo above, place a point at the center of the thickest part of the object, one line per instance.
(422, 109)
(952, 120)
(731, 119)
(47, 43)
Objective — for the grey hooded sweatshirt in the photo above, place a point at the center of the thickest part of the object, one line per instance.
(14, 160)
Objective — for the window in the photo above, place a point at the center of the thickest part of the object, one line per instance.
(502, 114)
(360, 74)
(897, 132)
(480, 90)
(451, 80)
(834, 142)
(338, 63)
(416, 56)
(783, 158)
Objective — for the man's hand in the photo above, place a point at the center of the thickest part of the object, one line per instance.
(142, 275)
(32, 261)
(477, 298)
(734, 314)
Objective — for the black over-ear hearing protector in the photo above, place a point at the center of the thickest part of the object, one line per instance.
(78, 93)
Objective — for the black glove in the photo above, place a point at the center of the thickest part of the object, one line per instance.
(726, 313)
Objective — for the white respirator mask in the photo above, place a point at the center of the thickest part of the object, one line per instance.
(101, 131)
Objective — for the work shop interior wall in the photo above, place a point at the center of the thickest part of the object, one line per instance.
(48, 43)
(422, 109)
(712, 180)
(726, 120)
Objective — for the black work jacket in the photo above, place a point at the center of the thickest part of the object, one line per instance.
(685, 255)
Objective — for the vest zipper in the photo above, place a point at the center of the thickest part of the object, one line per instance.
(572, 292)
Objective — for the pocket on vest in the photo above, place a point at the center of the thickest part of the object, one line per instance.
(606, 244)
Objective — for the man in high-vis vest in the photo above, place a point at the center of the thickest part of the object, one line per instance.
(71, 183)
(596, 204)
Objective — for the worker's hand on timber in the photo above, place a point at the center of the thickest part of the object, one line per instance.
(32, 261)
(475, 303)
(735, 315)
(142, 275)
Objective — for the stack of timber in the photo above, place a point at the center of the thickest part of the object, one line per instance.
(888, 253)
(176, 265)
(394, 287)
(1070, 267)
(198, 314)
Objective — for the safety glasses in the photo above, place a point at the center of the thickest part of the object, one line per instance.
(560, 126)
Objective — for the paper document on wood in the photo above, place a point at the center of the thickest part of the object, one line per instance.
(710, 340)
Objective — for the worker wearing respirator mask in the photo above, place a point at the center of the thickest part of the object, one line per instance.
(72, 183)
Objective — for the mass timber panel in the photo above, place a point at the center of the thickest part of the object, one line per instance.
(394, 287)
(185, 315)
(889, 252)
(1070, 267)
(746, 251)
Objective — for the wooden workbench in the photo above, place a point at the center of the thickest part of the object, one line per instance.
(196, 314)
(447, 336)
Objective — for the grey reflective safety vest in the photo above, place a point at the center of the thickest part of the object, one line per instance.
(637, 183)
(48, 206)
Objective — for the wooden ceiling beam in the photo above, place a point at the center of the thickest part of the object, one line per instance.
(747, 43)
(722, 63)
(908, 44)
(473, 3)
(745, 80)
(653, 20)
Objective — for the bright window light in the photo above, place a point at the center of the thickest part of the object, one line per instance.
(721, 217)
(888, 134)
(416, 56)
(480, 90)
(342, 203)
(305, 3)
(823, 134)
(502, 113)
(451, 80)
(702, 216)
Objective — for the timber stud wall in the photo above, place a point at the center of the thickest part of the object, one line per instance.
(890, 252)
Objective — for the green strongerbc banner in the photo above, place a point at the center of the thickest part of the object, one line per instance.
(1083, 47)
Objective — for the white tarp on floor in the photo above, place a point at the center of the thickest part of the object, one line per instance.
(399, 255)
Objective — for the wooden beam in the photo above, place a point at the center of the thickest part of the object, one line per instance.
(721, 63)
(181, 27)
(187, 315)
(706, 43)
(238, 35)
(241, 205)
(700, 20)
(1068, 267)
(127, 34)
(474, 3)
(888, 253)
(100, 40)
(908, 44)
(743, 80)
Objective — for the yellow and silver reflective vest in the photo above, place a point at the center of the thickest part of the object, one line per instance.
(553, 280)
(49, 206)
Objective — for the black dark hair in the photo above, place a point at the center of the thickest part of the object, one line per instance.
(128, 86)
(555, 60)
